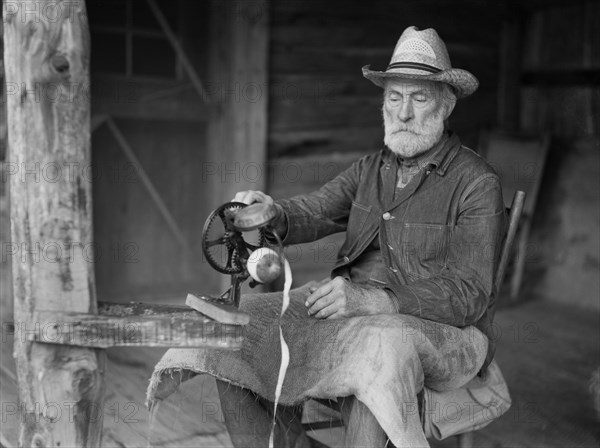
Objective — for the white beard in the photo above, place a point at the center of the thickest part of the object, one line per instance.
(409, 141)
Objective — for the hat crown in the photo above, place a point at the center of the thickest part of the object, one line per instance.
(422, 55)
(422, 47)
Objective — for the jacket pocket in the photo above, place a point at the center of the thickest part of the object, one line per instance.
(424, 249)
(358, 215)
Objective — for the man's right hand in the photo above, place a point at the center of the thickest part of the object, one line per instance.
(279, 224)
(251, 196)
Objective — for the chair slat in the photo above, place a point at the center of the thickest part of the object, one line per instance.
(516, 209)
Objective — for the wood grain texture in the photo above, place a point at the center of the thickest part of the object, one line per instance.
(46, 57)
(217, 309)
(149, 330)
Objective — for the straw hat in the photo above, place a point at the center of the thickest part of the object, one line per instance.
(423, 55)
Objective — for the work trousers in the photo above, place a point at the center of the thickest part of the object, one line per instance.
(249, 417)
(249, 420)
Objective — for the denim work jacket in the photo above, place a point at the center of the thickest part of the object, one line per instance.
(439, 236)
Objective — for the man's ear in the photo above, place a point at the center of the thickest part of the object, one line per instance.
(448, 100)
(449, 106)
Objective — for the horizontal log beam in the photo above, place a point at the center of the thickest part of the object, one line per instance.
(127, 309)
(145, 99)
(191, 310)
(167, 109)
(132, 324)
(562, 78)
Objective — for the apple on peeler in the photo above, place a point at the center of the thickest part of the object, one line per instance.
(264, 265)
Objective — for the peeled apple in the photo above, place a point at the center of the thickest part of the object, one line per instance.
(264, 265)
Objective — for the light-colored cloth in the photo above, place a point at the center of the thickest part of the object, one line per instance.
(471, 407)
(383, 360)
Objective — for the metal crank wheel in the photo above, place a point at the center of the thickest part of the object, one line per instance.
(223, 245)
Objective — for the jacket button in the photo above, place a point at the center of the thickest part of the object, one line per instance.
(346, 259)
(387, 216)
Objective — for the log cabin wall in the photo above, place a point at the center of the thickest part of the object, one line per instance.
(560, 93)
(320, 101)
(138, 80)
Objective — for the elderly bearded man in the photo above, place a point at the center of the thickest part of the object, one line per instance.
(424, 219)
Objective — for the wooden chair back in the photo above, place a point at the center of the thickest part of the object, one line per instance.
(516, 210)
(519, 160)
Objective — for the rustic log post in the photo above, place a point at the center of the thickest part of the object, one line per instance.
(6, 301)
(46, 54)
(238, 91)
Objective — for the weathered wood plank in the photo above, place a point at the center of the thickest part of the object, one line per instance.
(157, 330)
(217, 309)
(47, 57)
(126, 309)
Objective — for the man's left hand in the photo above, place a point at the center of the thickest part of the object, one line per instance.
(341, 298)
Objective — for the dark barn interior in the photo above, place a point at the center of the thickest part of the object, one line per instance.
(259, 94)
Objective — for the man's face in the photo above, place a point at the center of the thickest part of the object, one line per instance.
(413, 116)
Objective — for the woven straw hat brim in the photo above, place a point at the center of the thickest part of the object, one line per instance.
(463, 81)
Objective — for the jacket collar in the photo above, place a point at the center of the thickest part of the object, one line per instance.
(443, 152)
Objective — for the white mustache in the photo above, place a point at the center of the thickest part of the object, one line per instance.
(412, 131)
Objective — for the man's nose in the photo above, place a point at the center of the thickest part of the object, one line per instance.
(406, 111)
